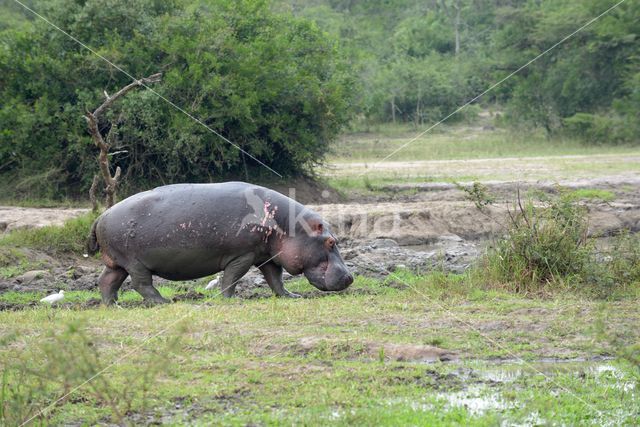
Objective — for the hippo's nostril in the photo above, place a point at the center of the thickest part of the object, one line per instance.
(348, 279)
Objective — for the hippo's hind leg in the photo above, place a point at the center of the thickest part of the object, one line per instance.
(233, 271)
(142, 282)
(109, 283)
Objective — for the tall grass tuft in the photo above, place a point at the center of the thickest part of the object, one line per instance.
(615, 270)
(544, 244)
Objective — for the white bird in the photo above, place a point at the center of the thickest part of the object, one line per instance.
(51, 299)
(212, 284)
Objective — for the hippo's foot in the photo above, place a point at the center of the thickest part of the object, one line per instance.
(155, 301)
(287, 294)
(109, 301)
(142, 282)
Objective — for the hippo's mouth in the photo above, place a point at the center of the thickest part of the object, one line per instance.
(328, 279)
(317, 275)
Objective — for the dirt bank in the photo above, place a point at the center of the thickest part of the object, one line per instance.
(423, 213)
(430, 226)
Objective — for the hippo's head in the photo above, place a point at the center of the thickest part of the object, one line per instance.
(313, 251)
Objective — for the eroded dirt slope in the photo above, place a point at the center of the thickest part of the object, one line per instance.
(413, 226)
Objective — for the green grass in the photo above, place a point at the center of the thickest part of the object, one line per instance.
(460, 142)
(244, 361)
(467, 153)
(590, 194)
(70, 237)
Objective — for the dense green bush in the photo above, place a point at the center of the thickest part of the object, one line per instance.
(544, 244)
(597, 128)
(545, 247)
(274, 84)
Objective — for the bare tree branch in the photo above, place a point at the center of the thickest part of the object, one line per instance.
(154, 78)
(111, 182)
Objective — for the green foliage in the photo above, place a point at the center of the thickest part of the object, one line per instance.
(601, 129)
(69, 359)
(589, 194)
(585, 85)
(477, 193)
(70, 237)
(616, 268)
(273, 84)
(544, 245)
(409, 70)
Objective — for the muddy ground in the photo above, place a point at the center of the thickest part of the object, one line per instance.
(414, 226)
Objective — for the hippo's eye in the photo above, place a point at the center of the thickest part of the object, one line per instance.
(330, 242)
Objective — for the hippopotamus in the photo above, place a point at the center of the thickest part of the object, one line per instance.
(189, 231)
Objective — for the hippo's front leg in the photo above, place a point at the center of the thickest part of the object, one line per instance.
(273, 275)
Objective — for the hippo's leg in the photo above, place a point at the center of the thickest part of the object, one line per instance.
(109, 283)
(233, 271)
(142, 282)
(273, 275)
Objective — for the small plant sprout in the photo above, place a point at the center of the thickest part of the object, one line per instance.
(53, 298)
(212, 284)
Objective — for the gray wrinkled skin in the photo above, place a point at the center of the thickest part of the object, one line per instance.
(188, 231)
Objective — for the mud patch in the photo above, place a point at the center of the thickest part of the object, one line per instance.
(389, 352)
(190, 295)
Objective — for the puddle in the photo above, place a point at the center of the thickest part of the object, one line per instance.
(476, 400)
(487, 386)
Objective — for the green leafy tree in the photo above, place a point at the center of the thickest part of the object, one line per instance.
(275, 85)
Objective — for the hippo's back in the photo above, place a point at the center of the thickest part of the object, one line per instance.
(182, 216)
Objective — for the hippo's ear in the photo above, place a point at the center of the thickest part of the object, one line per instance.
(317, 227)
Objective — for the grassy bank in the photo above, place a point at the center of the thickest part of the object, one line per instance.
(360, 161)
(69, 238)
(323, 359)
(460, 142)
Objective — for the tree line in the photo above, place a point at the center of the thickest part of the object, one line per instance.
(419, 60)
(282, 78)
(271, 83)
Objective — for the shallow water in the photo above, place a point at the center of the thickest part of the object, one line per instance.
(489, 384)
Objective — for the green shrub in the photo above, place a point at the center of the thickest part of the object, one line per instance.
(545, 247)
(70, 237)
(597, 128)
(70, 361)
(616, 268)
(545, 244)
(273, 84)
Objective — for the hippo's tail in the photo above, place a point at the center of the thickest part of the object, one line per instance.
(92, 245)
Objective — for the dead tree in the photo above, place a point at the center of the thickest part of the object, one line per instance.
(111, 181)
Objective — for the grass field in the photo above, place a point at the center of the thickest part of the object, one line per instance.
(324, 360)
(459, 142)
(437, 349)
(468, 153)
